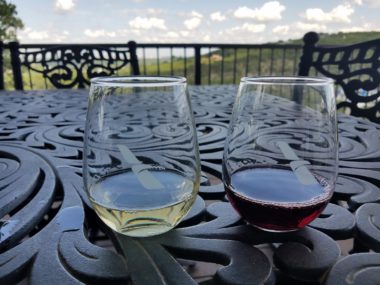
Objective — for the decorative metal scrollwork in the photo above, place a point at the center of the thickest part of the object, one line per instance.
(68, 66)
(355, 68)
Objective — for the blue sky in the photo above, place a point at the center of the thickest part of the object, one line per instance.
(216, 21)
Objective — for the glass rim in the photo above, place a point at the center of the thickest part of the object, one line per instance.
(138, 81)
(286, 80)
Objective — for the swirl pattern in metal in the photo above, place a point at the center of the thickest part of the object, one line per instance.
(50, 235)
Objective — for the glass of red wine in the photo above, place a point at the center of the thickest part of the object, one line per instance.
(280, 160)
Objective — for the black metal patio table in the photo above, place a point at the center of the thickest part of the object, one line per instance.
(49, 234)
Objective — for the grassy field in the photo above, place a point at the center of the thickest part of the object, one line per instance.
(342, 38)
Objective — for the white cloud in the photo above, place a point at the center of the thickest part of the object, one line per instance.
(192, 23)
(150, 11)
(38, 35)
(283, 29)
(247, 27)
(206, 38)
(184, 33)
(172, 35)
(371, 3)
(61, 38)
(217, 16)
(244, 12)
(353, 29)
(147, 23)
(133, 31)
(196, 14)
(33, 35)
(42, 36)
(340, 14)
(253, 28)
(364, 28)
(64, 5)
(310, 27)
(246, 33)
(98, 33)
(270, 11)
(317, 14)
(137, 12)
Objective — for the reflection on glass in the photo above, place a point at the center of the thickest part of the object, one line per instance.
(281, 155)
(141, 163)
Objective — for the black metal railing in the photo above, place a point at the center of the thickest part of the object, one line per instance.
(200, 63)
(218, 63)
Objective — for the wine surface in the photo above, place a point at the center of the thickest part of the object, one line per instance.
(274, 199)
(125, 205)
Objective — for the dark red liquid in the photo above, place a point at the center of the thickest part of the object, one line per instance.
(274, 199)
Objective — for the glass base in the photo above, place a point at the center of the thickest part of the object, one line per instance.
(273, 230)
(145, 230)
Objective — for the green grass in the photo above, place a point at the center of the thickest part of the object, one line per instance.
(341, 38)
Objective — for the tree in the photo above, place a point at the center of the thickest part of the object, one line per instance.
(9, 22)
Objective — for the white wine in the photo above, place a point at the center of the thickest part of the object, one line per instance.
(129, 206)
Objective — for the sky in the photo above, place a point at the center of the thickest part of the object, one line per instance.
(190, 21)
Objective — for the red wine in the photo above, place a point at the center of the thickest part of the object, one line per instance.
(272, 198)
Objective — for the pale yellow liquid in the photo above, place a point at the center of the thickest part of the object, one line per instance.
(126, 206)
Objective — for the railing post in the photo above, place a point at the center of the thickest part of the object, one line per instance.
(1, 66)
(310, 39)
(197, 56)
(134, 60)
(16, 65)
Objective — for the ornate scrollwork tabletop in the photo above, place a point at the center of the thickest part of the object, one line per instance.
(50, 235)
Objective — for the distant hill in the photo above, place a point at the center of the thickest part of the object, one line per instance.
(340, 38)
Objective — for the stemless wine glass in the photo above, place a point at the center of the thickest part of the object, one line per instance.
(141, 159)
(280, 160)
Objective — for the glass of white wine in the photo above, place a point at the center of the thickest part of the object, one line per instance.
(141, 164)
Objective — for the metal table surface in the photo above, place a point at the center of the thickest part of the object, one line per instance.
(49, 234)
